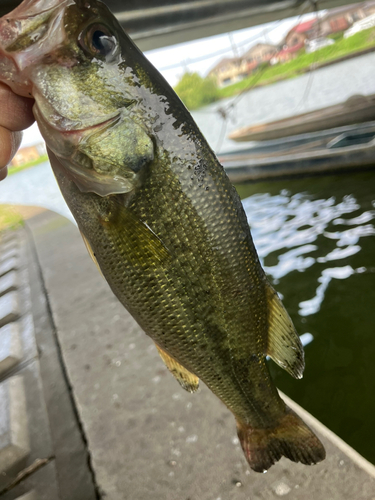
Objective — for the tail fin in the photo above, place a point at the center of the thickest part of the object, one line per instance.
(290, 438)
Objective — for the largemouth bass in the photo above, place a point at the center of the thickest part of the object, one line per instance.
(158, 215)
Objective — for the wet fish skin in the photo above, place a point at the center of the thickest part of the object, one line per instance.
(158, 215)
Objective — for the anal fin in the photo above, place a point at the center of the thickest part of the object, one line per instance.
(186, 379)
(284, 345)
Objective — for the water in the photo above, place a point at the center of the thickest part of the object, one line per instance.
(35, 186)
(324, 87)
(316, 240)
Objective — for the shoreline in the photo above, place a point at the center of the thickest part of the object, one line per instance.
(19, 168)
(299, 72)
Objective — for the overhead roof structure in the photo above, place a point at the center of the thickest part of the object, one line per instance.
(157, 23)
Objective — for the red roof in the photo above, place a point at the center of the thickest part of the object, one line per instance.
(303, 27)
(290, 50)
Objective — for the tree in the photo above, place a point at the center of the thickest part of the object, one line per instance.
(195, 91)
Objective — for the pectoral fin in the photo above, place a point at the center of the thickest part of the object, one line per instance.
(284, 345)
(91, 252)
(186, 379)
(147, 249)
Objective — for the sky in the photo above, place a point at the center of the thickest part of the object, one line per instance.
(203, 54)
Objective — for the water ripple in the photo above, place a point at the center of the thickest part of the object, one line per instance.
(296, 232)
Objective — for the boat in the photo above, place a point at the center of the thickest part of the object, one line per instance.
(356, 109)
(335, 150)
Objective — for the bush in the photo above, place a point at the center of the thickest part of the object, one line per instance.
(195, 91)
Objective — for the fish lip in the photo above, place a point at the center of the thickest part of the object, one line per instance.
(14, 63)
(11, 23)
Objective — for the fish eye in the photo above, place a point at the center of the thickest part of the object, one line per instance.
(98, 41)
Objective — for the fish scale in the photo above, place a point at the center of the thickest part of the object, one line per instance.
(158, 215)
(197, 266)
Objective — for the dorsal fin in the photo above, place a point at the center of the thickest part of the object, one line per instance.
(284, 345)
(186, 379)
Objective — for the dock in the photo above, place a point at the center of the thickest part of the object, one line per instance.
(88, 411)
(350, 148)
(357, 109)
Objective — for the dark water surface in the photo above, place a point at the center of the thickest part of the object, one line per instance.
(316, 240)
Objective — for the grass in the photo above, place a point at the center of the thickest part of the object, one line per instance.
(9, 218)
(14, 216)
(303, 62)
(24, 166)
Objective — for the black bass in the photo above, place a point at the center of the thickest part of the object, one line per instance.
(158, 215)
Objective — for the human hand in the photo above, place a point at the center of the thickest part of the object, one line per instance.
(15, 115)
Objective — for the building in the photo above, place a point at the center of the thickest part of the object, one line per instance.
(297, 36)
(27, 154)
(341, 18)
(229, 70)
(286, 54)
(295, 41)
(260, 53)
(369, 8)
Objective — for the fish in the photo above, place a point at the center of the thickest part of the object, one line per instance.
(158, 215)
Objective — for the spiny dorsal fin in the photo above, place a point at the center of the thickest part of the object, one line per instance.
(90, 251)
(284, 345)
(186, 379)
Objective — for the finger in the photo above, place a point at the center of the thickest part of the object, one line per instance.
(16, 111)
(9, 143)
(3, 173)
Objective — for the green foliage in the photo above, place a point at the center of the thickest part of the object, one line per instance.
(195, 91)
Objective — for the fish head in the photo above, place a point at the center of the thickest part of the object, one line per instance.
(72, 57)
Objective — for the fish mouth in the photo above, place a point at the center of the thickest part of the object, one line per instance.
(45, 112)
(79, 167)
(94, 127)
(26, 19)
(29, 31)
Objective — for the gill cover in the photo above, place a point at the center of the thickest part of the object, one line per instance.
(106, 159)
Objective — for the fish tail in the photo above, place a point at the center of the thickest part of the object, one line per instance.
(290, 438)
